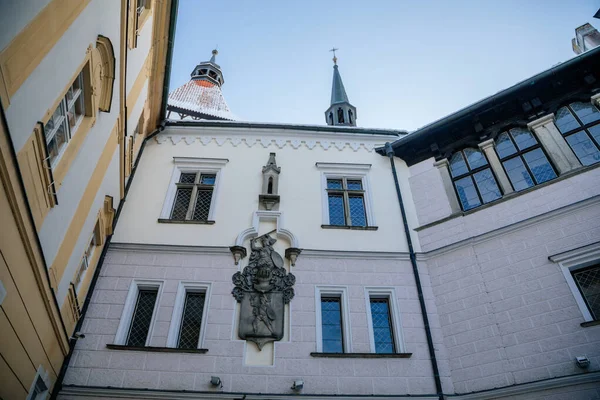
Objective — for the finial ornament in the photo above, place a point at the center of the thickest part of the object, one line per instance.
(334, 57)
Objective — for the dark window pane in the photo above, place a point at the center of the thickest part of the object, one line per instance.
(142, 317)
(565, 121)
(382, 325)
(467, 193)
(539, 166)
(331, 323)
(475, 158)
(357, 211)
(191, 320)
(595, 132)
(488, 188)
(337, 215)
(208, 179)
(181, 204)
(505, 146)
(588, 282)
(458, 166)
(187, 177)
(586, 112)
(202, 206)
(518, 174)
(354, 185)
(334, 183)
(584, 148)
(523, 138)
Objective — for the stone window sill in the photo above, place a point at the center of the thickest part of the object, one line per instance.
(155, 349)
(361, 355)
(509, 196)
(354, 228)
(175, 221)
(590, 323)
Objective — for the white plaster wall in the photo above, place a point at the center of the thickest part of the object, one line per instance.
(95, 365)
(16, 15)
(108, 187)
(137, 56)
(240, 185)
(428, 192)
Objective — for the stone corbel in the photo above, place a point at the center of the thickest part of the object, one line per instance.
(596, 100)
(292, 253)
(238, 252)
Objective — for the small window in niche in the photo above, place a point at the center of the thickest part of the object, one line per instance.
(270, 186)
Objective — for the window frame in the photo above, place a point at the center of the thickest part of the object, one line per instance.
(581, 128)
(130, 304)
(342, 293)
(471, 173)
(40, 375)
(519, 153)
(193, 165)
(575, 260)
(177, 315)
(390, 294)
(352, 172)
(346, 194)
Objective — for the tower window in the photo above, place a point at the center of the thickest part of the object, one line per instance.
(330, 117)
(340, 114)
(350, 116)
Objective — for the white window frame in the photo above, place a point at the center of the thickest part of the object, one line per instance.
(177, 316)
(88, 254)
(128, 310)
(334, 291)
(390, 294)
(573, 260)
(194, 165)
(350, 171)
(42, 374)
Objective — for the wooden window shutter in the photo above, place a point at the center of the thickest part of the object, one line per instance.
(37, 175)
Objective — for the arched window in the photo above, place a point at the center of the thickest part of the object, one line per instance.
(331, 117)
(580, 125)
(340, 115)
(523, 158)
(350, 116)
(270, 186)
(473, 179)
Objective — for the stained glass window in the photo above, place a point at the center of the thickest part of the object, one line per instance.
(346, 202)
(193, 197)
(382, 325)
(474, 181)
(523, 159)
(580, 125)
(142, 317)
(331, 325)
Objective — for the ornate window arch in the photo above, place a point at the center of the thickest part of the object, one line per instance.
(579, 124)
(473, 179)
(523, 158)
(103, 67)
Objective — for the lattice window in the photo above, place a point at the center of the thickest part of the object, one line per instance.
(142, 317)
(193, 197)
(580, 125)
(331, 324)
(588, 283)
(346, 201)
(191, 320)
(381, 317)
(473, 179)
(523, 158)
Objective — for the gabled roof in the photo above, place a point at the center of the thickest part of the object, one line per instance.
(200, 99)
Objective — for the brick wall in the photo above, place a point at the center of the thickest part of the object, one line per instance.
(95, 365)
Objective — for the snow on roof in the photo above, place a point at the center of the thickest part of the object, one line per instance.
(201, 97)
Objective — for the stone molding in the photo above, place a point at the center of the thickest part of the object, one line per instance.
(264, 215)
(169, 248)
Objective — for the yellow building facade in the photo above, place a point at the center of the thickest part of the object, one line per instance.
(81, 87)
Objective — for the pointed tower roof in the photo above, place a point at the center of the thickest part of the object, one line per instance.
(340, 111)
(201, 97)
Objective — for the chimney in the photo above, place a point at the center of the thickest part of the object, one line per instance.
(586, 38)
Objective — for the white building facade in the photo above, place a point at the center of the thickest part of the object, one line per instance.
(494, 293)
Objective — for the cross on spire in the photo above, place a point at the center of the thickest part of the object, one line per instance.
(334, 57)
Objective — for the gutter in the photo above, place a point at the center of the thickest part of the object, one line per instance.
(413, 260)
(490, 100)
(169, 60)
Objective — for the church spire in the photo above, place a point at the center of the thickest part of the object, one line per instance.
(340, 111)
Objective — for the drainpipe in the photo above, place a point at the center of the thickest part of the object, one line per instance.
(413, 260)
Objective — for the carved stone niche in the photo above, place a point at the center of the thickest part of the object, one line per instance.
(270, 187)
(263, 289)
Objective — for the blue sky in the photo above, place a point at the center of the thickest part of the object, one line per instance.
(404, 63)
